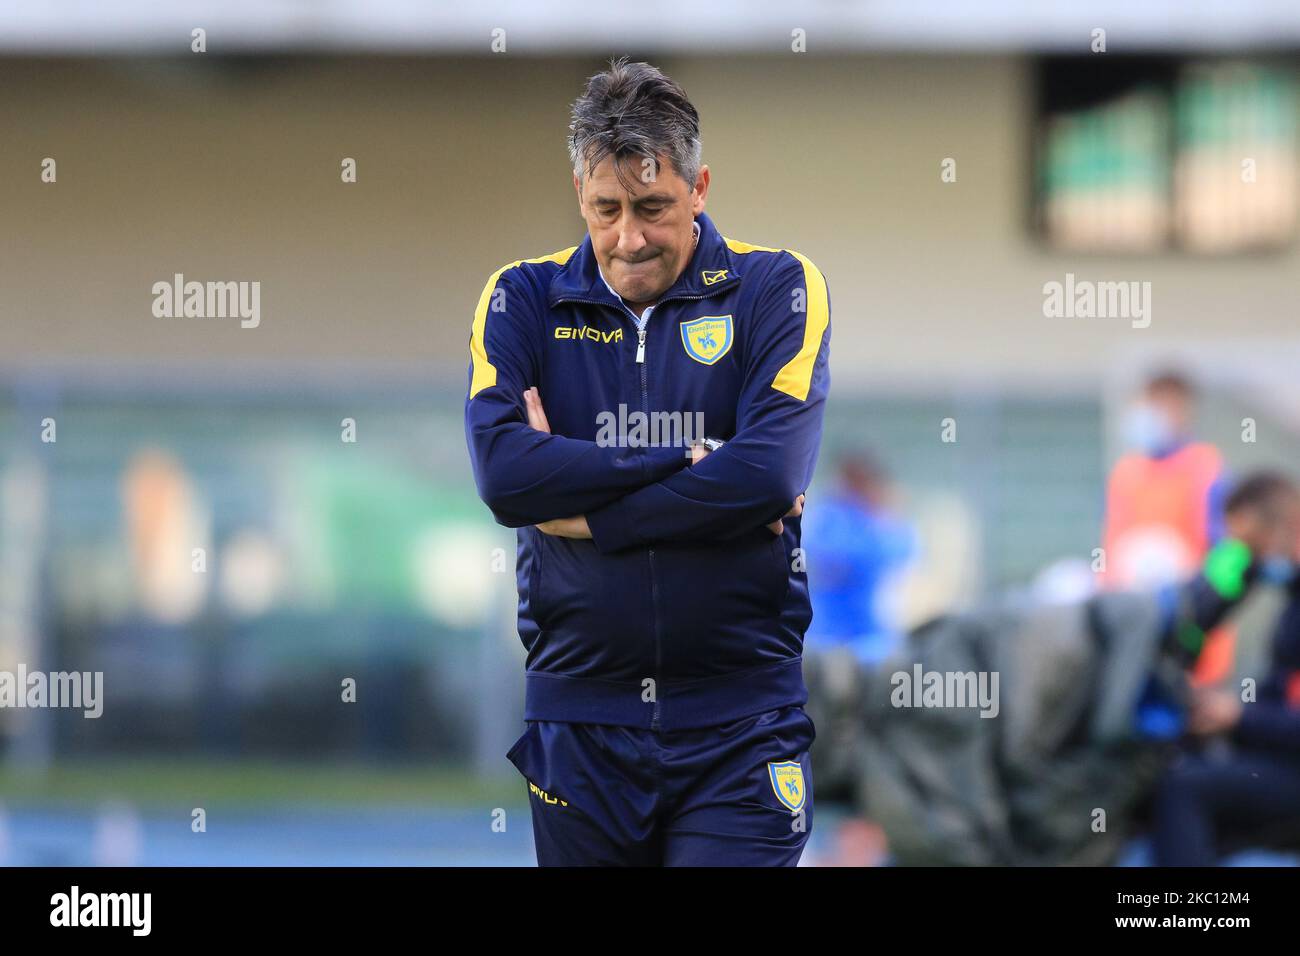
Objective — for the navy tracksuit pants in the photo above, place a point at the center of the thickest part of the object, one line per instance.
(735, 794)
(1200, 800)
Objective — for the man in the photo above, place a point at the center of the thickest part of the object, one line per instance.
(661, 596)
(1164, 498)
(1204, 799)
(1164, 504)
(863, 547)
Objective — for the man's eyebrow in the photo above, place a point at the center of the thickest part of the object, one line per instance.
(642, 200)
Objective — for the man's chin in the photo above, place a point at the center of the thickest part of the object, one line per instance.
(638, 293)
(638, 284)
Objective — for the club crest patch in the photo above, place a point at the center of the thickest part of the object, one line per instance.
(787, 783)
(708, 338)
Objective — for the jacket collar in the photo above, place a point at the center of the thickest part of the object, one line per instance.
(712, 269)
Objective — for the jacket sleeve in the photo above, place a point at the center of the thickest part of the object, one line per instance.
(1272, 722)
(523, 475)
(753, 478)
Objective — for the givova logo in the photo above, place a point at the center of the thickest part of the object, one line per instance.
(589, 333)
(75, 908)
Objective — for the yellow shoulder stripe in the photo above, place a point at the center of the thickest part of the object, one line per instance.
(795, 377)
(485, 373)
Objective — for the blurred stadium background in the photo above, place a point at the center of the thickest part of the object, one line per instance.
(373, 559)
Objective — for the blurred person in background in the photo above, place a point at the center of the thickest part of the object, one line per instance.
(859, 548)
(1093, 701)
(1164, 498)
(1208, 795)
(1164, 503)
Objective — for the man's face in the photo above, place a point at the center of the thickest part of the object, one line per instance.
(1271, 532)
(642, 235)
(1173, 406)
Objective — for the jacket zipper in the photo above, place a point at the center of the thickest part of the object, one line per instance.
(642, 329)
(654, 591)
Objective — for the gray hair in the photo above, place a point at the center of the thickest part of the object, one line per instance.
(634, 110)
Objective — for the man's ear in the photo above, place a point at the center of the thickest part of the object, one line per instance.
(577, 188)
(701, 191)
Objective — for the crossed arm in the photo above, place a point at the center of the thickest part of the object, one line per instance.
(628, 497)
(577, 527)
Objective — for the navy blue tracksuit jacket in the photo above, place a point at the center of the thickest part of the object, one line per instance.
(681, 584)
(1272, 722)
(664, 683)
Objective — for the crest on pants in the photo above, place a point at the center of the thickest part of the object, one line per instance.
(787, 783)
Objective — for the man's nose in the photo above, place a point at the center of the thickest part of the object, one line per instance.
(631, 240)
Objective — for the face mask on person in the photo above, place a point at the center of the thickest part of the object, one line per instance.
(1147, 429)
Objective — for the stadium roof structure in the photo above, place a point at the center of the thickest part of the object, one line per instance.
(134, 27)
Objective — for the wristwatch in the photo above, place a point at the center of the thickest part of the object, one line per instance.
(712, 444)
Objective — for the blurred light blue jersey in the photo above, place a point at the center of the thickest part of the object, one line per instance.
(855, 553)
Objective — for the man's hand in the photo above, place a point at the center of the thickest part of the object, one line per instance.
(1213, 712)
(778, 526)
(575, 527)
(536, 414)
(698, 453)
